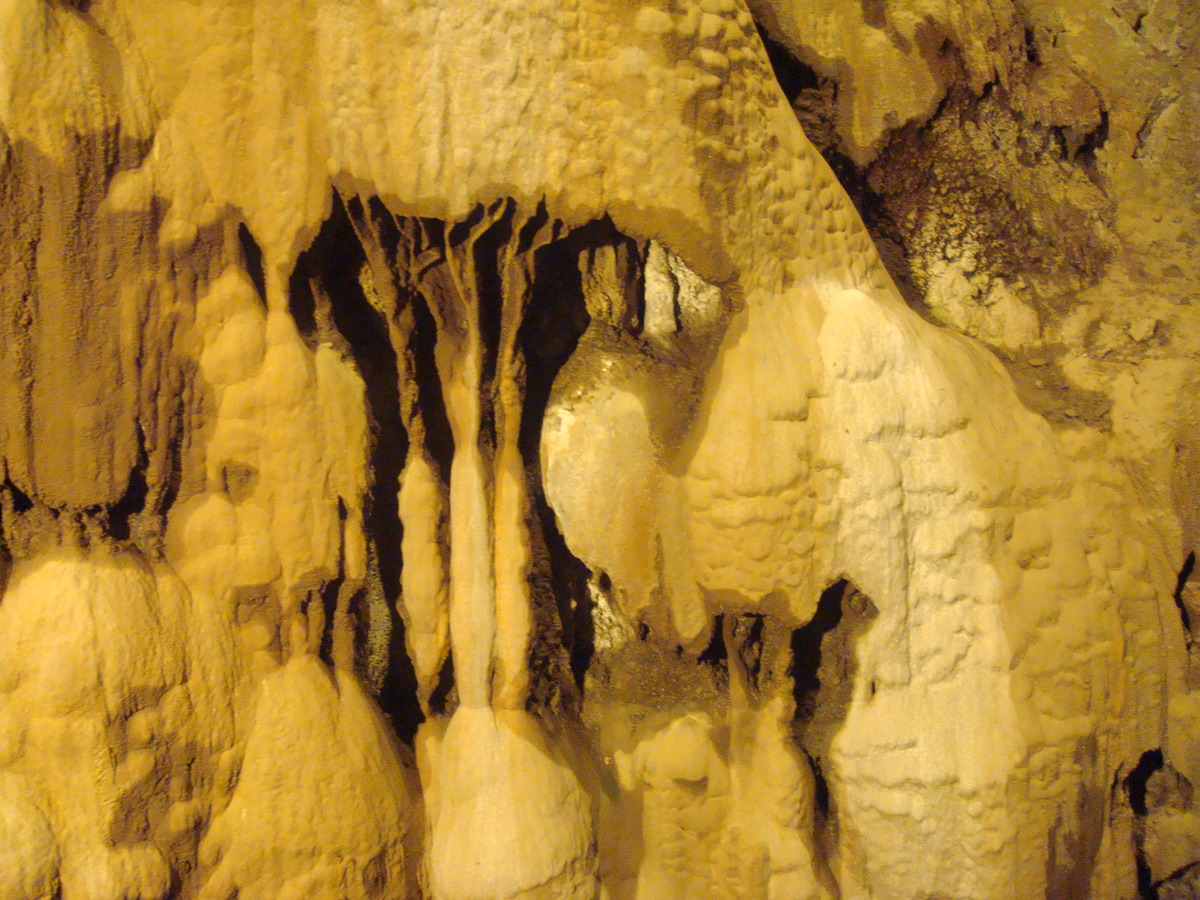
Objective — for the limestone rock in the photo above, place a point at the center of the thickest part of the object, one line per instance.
(692, 448)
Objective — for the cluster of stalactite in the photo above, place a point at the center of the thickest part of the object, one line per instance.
(476, 603)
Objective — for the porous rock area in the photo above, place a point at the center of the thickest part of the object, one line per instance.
(681, 449)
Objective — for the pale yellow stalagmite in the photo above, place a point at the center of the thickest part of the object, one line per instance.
(422, 505)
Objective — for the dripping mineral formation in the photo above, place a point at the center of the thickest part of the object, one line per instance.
(562, 451)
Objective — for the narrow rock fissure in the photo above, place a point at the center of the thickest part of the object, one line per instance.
(1185, 573)
(716, 653)
(821, 803)
(825, 666)
(1177, 876)
(252, 259)
(1136, 783)
(807, 644)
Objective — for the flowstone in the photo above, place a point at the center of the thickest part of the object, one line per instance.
(477, 451)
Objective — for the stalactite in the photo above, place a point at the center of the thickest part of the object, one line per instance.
(547, 329)
(512, 512)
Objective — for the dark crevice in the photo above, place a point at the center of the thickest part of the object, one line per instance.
(1189, 565)
(555, 321)
(1145, 881)
(563, 578)
(1031, 49)
(21, 503)
(821, 804)
(744, 640)
(792, 74)
(553, 324)
(1136, 785)
(487, 250)
(133, 502)
(443, 699)
(439, 441)
(806, 648)
(563, 640)
(171, 480)
(331, 266)
(716, 654)
(569, 584)
(328, 600)
(301, 303)
(825, 670)
(252, 257)
(1178, 875)
(854, 181)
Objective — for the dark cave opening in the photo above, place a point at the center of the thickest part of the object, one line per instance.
(716, 653)
(133, 502)
(825, 668)
(252, 259)
(328, 304)
(806, 648)
(793, 75)
(1136, 788)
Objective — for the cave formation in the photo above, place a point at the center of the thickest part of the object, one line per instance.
(692, 449)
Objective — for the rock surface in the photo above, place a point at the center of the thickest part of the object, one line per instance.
(698, 449)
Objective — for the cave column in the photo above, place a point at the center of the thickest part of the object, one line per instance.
(494, 778)
(449, 281)
(512, 542)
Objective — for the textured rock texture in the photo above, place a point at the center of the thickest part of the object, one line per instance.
(689, 449)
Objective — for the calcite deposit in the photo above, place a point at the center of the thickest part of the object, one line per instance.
(599, 450)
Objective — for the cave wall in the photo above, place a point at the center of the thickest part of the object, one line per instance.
(591, 450)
